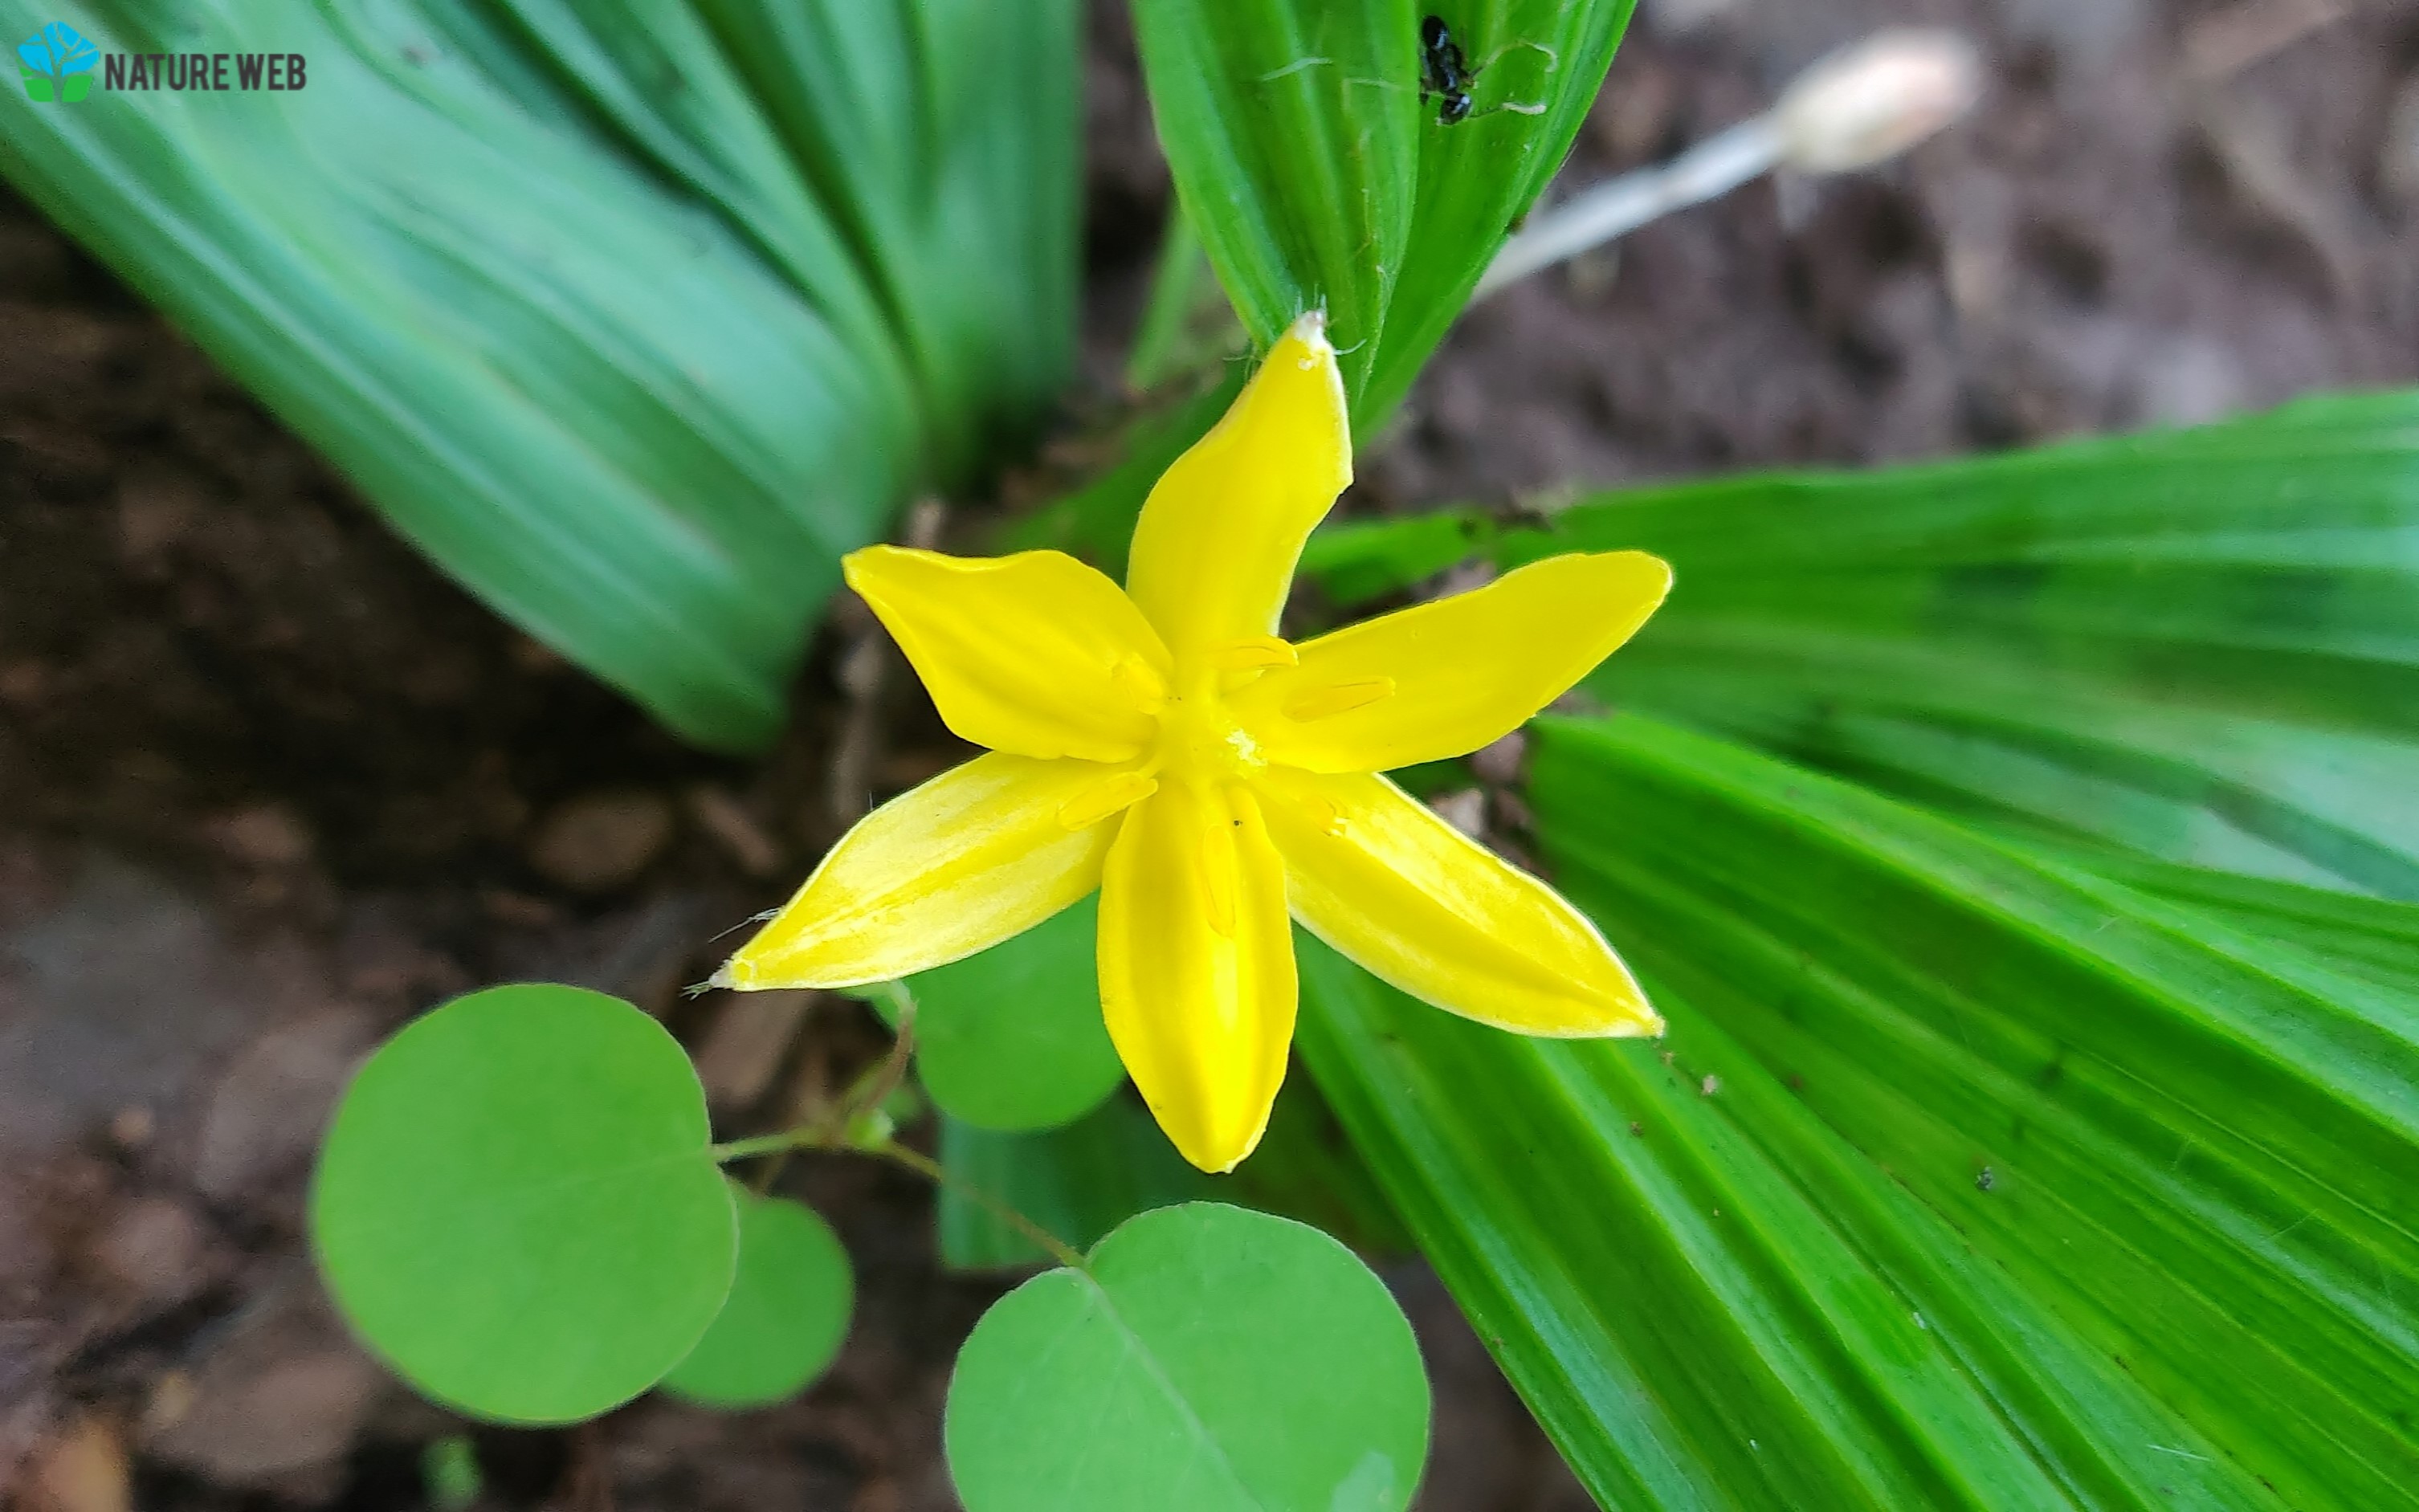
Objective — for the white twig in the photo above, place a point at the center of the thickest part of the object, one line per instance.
(1617, 206)
(1852, 109)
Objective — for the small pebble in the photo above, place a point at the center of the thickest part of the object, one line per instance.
(153, 1249)
(518, 909)
(1465, 810)
(281, 1389)
(731, 826)
(269, 836)
(264, 1114)
(82, 1468)
(602, 840)
(24, 682)
(156, 511)
(1500, 761)
(131, 1128)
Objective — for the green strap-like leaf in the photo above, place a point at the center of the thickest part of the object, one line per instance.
(1965, 1177)
(1318, 178)
(1355, 561)
(2202, 645)
(568, 295)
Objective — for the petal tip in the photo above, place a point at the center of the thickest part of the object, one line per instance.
(1627, 1022)
(1207, 1140)
(1309, 328)
(863, 558)
(1219, 1157)
(1627, 1015)
(1311, 350)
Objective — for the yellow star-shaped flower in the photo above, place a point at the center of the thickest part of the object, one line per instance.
(1161, 744)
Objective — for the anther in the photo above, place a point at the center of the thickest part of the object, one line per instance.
(1336, 698)
(1251, 656)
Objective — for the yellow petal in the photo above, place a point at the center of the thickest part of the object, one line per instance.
(1035, 653)
(1446, 677)
(1423, 907)
(1196, 966)
(1121, 789)
(976, 855)
(1215, 550)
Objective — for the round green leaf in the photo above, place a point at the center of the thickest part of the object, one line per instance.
(1012, 1037)
(1209, 1359)
(518, 1206)
(787, 1313)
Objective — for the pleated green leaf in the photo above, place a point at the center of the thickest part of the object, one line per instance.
(633, 319)
(1355, 561)
(1969, 1175)
(2201, 645)
(1317, 176)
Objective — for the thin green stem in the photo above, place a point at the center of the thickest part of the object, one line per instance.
(925, 1165)
(876, 1089)
(828, 1127)
(814, 1136)
(772, 1143)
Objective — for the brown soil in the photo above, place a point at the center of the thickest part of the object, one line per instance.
(274, 785)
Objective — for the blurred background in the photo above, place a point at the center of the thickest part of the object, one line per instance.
(270, 785)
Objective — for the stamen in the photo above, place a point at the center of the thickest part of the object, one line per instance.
(1110, 795)
(1251, 656)
(1337, 698)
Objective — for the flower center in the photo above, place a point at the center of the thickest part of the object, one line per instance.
(1199, 739)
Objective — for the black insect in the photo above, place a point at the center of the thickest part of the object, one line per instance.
(1445, 73)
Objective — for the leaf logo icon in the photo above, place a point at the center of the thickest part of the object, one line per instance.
(56, 64)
